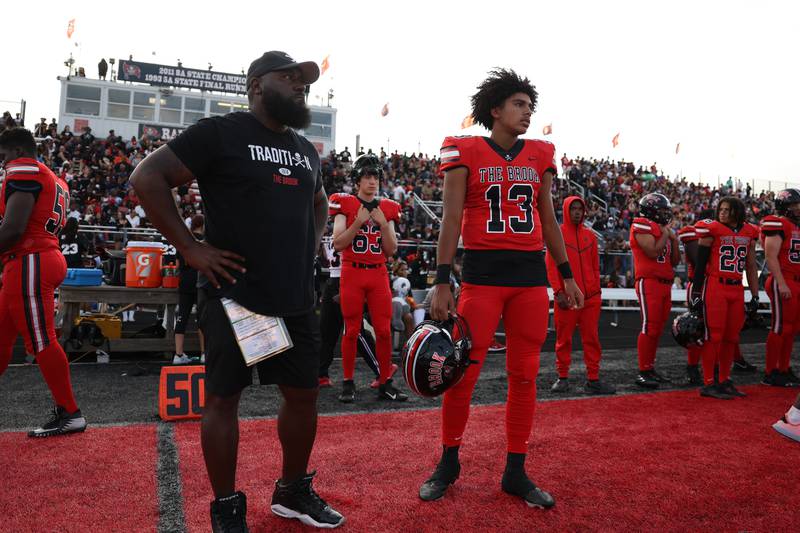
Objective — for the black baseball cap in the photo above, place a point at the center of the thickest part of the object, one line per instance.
(277, 60)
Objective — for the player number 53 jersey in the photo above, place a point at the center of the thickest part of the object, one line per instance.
(729, 249)
(366, 245)
(500, 210)
(789, 254)
(49, 213)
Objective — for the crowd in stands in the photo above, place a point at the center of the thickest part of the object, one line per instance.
(97, 170)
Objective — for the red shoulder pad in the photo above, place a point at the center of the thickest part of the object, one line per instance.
(687, 234)
(642, 225)
(772, 223)
(452, 152)
(339, 204)
(704, 228)
(391, 210)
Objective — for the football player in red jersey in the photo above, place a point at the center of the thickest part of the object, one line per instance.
(33, 207)
(363, 232)
(497, 198)
(781, 236)
(688, 237)
(726, 250)
(655, 253)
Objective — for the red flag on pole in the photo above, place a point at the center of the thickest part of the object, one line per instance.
(678, 148)
(615, 140)
(70, 28)
(547, 130)
(325, 65)
(385, 110)
(468, 121)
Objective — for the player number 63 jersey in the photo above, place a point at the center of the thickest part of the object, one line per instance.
(366, 245)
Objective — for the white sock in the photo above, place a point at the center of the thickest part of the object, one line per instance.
(793, 416)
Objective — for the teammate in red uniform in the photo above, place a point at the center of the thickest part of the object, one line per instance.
(33, 207)
(497, 197)
(725, 251)
(688, 237)
(363, 232)
(581, 245)
(781, 236)
(655, 253)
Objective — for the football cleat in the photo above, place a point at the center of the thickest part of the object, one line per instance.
(348, 394)
(646, 381)
(441, 479)
(728, 387)
(714, 391)
(299, 500)
(786, 429)
(598, 387)
(387, 391)
(561, 385)
(520, 485)
(61, 424)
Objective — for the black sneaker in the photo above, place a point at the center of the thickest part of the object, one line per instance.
(598, 387)
(229, 514)
(561, 385)
(728, 387)
(387, 391)
(659, 377)
(441, 479)
(775, 379)
(348, 394)
(299, 500)
(740, 366)
(646, 381)
(61, 424)
(791, 379)
(520, 485)
(693, 376)
(714, 391)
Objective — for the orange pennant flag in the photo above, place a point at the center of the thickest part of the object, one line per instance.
(468, 121)
(385, 110)
(70, 28)
(678, 148)
(547, 130)
(615, 140)
(325, 64)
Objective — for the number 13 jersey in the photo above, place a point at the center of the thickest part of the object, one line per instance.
(49, 213)
(729, 249)
(502, 188)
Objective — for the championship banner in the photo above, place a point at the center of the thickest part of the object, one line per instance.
(181, 77)
(156, 131)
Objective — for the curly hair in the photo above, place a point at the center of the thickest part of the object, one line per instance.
(494, 90)
(19, 138)
(736, 206)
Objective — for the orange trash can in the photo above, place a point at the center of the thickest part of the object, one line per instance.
(143, 264)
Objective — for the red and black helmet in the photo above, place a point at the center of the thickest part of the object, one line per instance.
(689, 329)
(367, 164)
(783, 200)
(656, 207)
(432, 360)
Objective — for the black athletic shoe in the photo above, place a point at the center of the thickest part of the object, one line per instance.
(646, 381)
(728, 387)
(741, 366)
(775, 379)
(229, 514)
(518, 484)
(714, 391)
(299, 500)
(693, 376)
(61, 424)
(599, 387)
(441, 479)
(388, 392)
(348, 394)
(561, 385)
(791, 379)
(659, 377)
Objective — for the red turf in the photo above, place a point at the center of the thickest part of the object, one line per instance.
(656, 462)
(100, 480)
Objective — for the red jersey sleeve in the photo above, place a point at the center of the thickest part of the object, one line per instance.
(642, 225)
(548, 151)
(391, 210)
(687, 234)
(337, 204)
(704, 228)
(772, 225)
(453, 154)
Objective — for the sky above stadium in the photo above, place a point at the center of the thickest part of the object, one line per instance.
(720, 78)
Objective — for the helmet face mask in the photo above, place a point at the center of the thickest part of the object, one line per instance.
(432, 361)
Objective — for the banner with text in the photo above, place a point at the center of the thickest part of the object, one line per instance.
(181, 77)
(156, 131)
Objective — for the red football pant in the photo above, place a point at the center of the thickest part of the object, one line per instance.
(27, 308)
(587, 320)
(525, 312)
(371, 285)
(655, 303)
(785, 324)
(724, 317)
(694, 353)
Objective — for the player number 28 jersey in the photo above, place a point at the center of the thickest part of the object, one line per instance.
(49, 213)
(789, 254)
(729, 249)
(366, 245)
(502, 188)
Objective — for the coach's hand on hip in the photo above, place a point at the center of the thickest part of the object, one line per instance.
(442, 302)
(213, 262)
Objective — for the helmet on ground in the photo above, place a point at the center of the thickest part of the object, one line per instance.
(689, 329)
(432, 361)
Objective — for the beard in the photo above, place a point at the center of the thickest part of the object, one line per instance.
(287, 111)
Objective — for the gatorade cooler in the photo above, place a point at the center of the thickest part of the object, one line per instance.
(170, 278)
(143, 264)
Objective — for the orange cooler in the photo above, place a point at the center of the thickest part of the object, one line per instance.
(143, 264)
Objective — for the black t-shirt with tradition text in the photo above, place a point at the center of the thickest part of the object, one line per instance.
(258, 189)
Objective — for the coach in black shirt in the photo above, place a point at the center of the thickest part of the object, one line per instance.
(265, 214)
